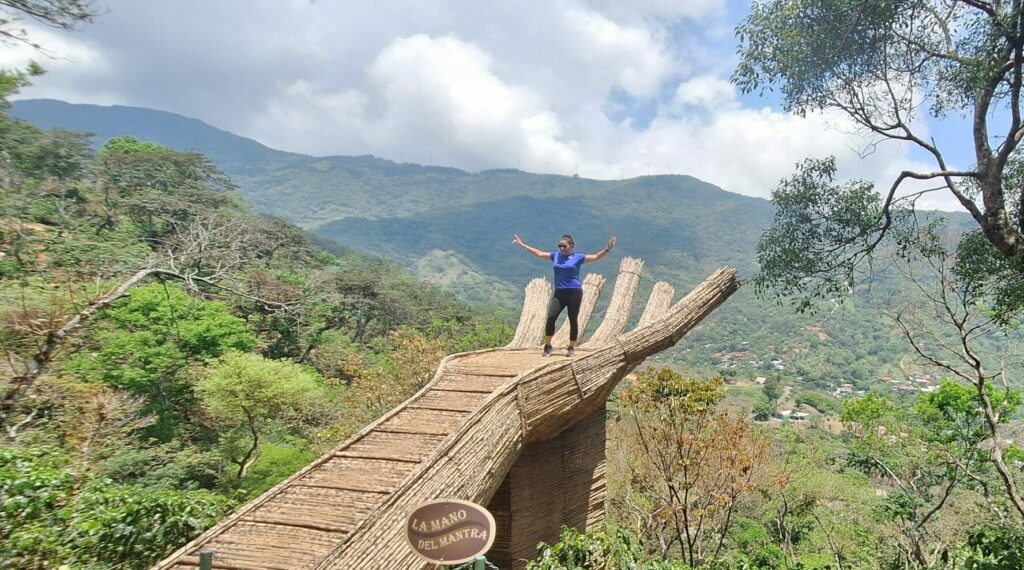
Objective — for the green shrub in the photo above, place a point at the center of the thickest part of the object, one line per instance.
(995, 548)
(50, 515)
(606, 548)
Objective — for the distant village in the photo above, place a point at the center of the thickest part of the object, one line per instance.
(915, 382)
(734, 359)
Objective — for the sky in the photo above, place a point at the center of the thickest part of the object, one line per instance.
(605, 89)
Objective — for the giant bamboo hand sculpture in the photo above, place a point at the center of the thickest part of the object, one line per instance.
(456, 438)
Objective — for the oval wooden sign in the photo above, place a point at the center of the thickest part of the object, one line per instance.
(449, 531)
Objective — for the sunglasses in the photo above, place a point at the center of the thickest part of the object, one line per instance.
(563, 246)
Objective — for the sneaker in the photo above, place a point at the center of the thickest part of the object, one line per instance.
(570, 352)
(548, 349)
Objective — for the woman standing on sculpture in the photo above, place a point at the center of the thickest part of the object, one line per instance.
(568, 287)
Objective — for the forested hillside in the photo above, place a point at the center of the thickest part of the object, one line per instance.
(454, 229)
(175, 342)
(231, 153)
(169, 353)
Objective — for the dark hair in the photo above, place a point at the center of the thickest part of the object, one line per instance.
(568, 238)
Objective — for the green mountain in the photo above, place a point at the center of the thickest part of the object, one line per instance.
(455, 228)
(232, 153)
(479, 234)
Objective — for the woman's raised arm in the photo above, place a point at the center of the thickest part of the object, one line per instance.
(603, 252)
(536, 252)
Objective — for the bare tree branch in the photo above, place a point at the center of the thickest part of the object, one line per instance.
(957, 313)
(205, 253)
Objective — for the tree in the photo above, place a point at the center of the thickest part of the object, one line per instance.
(63, 155)
(763, 412)
(881, 445)
(145, 343)
(943, 321)
(488, 331)
(923, 457)
(772, 389)
(382, 384)
(818, 513)
(61, 14)
(159, 189)
(957, 430)
(99, 421)
(57, 515)
(690, 463)
(882, 63)
(993, 549)
(207, 255)
(248, 392)
(604, 548)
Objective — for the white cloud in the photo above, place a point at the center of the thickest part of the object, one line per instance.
(740, 149)
(634, 56)
(431, 99)
(442, 93)
(659, 9)
(458, 82)
(706, 92)
(60, 51)
(62, 56)
(301, 115)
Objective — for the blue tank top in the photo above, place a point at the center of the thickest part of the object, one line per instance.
(567, 270)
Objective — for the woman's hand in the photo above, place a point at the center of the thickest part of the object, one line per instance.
(607, 249)
(533, 251)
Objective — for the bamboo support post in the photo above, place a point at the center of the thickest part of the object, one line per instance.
(621, 304)
(531, 320)
(657, 304)
(206, 559)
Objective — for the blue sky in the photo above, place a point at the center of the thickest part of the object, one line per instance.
(602, 88)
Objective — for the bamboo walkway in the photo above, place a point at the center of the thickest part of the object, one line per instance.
(455, 438)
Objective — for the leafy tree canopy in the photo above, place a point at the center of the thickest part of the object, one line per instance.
(146, 343)
(157, 187)
(880, 63)
(248, 391)
(241, 386)
(53, 513)
(132, 145)
(157, 330)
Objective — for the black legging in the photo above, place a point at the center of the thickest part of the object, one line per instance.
(571, 298)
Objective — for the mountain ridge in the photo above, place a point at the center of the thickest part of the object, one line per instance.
(455, 228)
(175, 131)
(236, 155)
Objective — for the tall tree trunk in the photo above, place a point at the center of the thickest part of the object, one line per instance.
(253, 454)
(992, 423)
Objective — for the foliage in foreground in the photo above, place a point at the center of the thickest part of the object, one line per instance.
(606, 548)
(691, 465)
(168, 354)
(51, 510)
